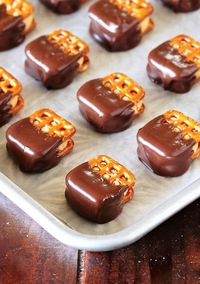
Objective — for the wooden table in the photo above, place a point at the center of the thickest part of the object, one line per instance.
(169, 254)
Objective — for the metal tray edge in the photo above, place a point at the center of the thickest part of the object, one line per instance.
(78, 240)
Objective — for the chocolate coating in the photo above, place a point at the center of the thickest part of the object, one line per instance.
(33, 150)
(168, 68)
(93, 197)
(62, 6)
(11, 30)
(113, 28)
(182, 5)
(104, 109)
(5, 114)
(162, 150)
(49, 64)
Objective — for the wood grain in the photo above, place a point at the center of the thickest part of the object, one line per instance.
(168, 255)
(28, 254)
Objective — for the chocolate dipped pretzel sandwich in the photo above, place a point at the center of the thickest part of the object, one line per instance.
(99, 189)
(11, 100)
(168, 144)
(182, 5)
(62, 6)
(56, 58)
(119, 25)
(38, 143)
(175, 64)
(111, 103)
(16, 20)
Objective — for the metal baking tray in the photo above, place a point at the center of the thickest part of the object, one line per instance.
(156, 198)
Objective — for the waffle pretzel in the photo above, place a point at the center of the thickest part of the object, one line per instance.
(139, 9)
(189, 128)
(8, 84)
(71, 45)
(126, 89)
(187, 47)
(50, 123)
(114, 173)
(21, 8)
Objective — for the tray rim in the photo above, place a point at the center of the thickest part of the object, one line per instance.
(122, 238)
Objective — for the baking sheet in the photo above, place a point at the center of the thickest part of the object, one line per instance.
(151, 191)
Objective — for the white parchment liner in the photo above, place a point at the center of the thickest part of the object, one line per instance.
(151, 190)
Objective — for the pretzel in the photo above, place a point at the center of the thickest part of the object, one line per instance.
(126, 89)
(139, 9)
(189, 128)
(114, 173)
(187, 47)
(8, 84)
(48, 122)
(18, 7)
(71, 45)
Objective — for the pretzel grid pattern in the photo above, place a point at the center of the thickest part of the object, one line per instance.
(114, 173)
(124, 87)
(18, 7)
(187, 47)
(189, 128)
(49, 122)
(69, 43)
(8, 83)
(136, 8)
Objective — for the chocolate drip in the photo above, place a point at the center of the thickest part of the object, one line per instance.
(93, 197)
(46, 62)
(11, 30)
(182, 5)
(163, 150)
(113, 28)
(168, 68)
(33, 150)
(104, 109)
(5, 114)
(62, 6)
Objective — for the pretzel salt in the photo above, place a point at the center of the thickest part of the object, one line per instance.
(188, 128)
(136, 8)
(21, 8)
(114, 173)
(126, 89)
(187, 47)
(71, 45)
(8, 84)
(50, 123)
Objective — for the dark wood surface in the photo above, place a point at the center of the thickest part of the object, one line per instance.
(169, 254)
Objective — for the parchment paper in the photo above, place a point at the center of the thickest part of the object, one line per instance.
(151, 190)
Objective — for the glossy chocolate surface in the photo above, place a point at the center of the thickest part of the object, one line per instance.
(168, 68)
(62, 6)
(182, 5)
(163, 150)
(113, 28)
(11, 30)
(93, 197)
(104, 109)
(49, 64)
(5, 114)
(33, 150)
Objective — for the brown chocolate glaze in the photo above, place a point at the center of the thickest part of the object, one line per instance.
(48, 63)
(62, 6)
(163, 150)
(5, 114)
(182, 5)
(33, 150)
(93, 197)
(11, 30)
(168, 68)
(113, 28)
(103, 109)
